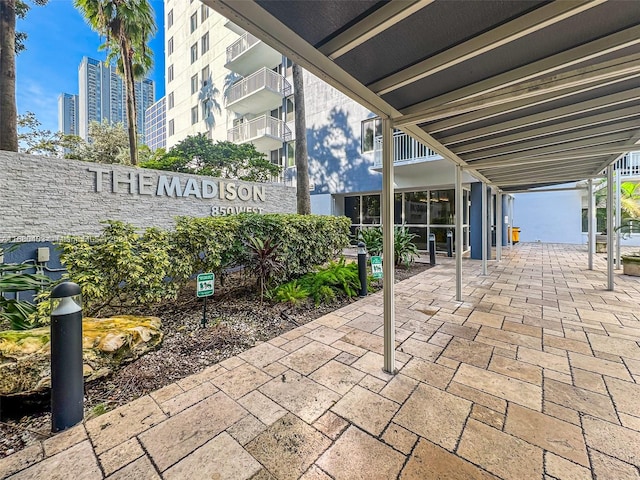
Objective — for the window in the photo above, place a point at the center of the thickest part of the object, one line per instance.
(172, 129)
(194, 115)
(601, 220)
(205, 76)
(194, 84)
(170, 46)
(170, 73)
(371, 209)
(204, 13)
(291, 154)
(170, 101)
(442, 207)
(194, 52)
(170, 18)
(193, 21)
(371, 128)
(204, 43)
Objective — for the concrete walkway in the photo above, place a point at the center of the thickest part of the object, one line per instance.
(534, 376)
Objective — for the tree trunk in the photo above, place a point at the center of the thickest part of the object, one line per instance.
(8, 111)
(129, 83)
(302, 162)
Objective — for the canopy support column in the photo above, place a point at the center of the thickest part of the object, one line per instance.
(610, 234)
(618, 216)
(387, 247)
(591, 233)
(458, 236)
(499, 226)
(484, 229)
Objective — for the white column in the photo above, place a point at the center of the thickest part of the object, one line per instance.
(618, 216)
(610, 234)
(591, 231)
(484, 228)
(387, 247)
(510, 208)
(458, 239)
(499, 226)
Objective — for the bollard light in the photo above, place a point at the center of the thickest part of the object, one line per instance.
(449, 243)
(362, 268)
(432, 249)
(67, 382)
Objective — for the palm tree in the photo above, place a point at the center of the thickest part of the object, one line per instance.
(11, 43)
(302, 162)
(127, 26)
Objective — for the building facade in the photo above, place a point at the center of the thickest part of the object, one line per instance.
(155, 125)
(102, 97)
(68, 113)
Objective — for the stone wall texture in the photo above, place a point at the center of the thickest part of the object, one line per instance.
(42, 198)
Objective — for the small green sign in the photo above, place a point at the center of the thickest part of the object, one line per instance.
(205, 284)
(376, 267)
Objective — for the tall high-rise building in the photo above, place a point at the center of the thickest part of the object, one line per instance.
(68, 113)
(155, 125)
(102, 96)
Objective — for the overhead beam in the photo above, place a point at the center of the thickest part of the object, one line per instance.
(563, 189)
(497, 110)
(552, 169)
(607, 101)
(575, 154)
(560, 61)
(634, 141)
(373, 24)
(596, 136)
(546, 181)
(552, 132)
(519, 27)
(600, 74)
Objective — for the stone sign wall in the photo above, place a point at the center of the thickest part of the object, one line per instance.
(43, 199)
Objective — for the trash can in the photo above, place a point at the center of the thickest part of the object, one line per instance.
(515, 234)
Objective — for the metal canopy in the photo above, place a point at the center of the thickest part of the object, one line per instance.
(520, 93)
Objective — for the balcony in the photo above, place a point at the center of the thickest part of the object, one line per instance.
(248, 54)
(628, 165)
(265, 132)
(259, 92)
(406, 150)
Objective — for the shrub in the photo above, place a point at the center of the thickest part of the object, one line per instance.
(263, 260)
(123, 267)
(372, 238)
(337, 278)
(405, 251)
(291, 293)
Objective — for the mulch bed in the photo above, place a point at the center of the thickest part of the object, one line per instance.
(236, 321)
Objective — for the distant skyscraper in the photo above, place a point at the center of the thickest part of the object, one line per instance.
(155, 125)
(68, 113)
(102, 96)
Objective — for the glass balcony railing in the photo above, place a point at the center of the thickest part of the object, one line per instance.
(405, 150)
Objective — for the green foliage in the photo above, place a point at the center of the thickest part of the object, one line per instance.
(107, 144)
(405, 251)
(291, 292)
(200, 155)
(21, 9)
(35, 140)
(14, 279)
(326, 283)
(372, 238)
(123, 267)
(263, 262)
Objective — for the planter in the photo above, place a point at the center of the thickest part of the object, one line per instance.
(631, 265)
(601, 244)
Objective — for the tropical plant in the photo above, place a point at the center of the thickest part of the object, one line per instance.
(629, 203)
(263, 261)
(127, 27)
(14, 279)
(302, 160)
(372, 238)
(405, 251)
(326, 283)
(291, 293)
(11, 43)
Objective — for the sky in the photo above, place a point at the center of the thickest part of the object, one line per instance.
(58, 38)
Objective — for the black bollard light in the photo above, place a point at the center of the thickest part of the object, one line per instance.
(449, 243)
(67, 382)
(362, 268)
(432, 249)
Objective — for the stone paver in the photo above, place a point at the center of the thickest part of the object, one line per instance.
(534, 375)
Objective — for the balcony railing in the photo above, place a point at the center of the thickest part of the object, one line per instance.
(629, 165)
(405, 149)
(240, 46)
(259, 127)
(263, 78)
